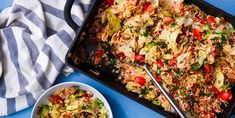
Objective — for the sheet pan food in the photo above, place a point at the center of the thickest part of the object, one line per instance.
(190, 53)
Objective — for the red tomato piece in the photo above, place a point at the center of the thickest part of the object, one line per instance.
(121, 55)
(139, 57)
(160, 63)
(214, 90)
(215, 25)
(173, 62)
(157, 78)
(191, 50)
(57, 99)
(140, 80)
(225, 95)
(207, 77)
(109, 2)
(211, 19)
(179, 39)
(168, 20)
(215, 53)
(197, 72)
(197, 34)
(196, 20)
(147, 6)
(207, 68)
(99, 53)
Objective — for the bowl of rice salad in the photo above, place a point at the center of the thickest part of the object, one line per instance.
(191, 53)
(71, 100)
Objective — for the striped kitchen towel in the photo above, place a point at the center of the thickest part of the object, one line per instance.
(34, 39)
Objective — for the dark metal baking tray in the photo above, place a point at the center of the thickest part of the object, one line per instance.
(108, 78)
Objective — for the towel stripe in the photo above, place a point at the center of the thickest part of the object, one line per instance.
(12, 47)
(59, 13)
(41, 77)
(11, 108)
(21, 25)
(85, 7)
(31, 16)
(53, 57)
(30, 99)
(2, 86)
(31, 46)
(65, 38)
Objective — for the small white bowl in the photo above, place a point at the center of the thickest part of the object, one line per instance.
(43, 99)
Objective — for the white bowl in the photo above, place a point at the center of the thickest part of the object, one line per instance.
(43, 99)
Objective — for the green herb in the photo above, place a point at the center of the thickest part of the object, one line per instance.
(152, 43)
(176, 95)
(196, 66)
(145, 34)
(184, 42)
(173, 87)
(181, 73)
(175, 78)
(158, 74)
(112, 61)
(167, 52)
(166, 62)
(182, 92)
(224, 39)
(132, 48)
(193, 101)
(219, 46)
(161, 44)
(158, 68)
(207, 94)
(144, 91)
(173, 24)
(190, 29)
(97, 103)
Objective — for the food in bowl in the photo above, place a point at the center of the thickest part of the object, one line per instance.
(72, 102)
(192, 54)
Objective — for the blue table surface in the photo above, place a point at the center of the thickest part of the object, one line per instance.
(121, 106)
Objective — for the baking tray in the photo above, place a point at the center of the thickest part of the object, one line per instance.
(106, 75)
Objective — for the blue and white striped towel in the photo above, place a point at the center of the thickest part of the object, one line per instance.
(34, 39)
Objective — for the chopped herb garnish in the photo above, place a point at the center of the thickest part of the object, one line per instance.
(184, 42)
(167, 52)
(196, 66)
(179, 72)
(132, 48)
(166, 62)
(145, 34)
(112, 62)
(161, 44)
(144, 91)
(173, 24)
(193, 101)
(158, 74)
(152, 43)
(224, 39)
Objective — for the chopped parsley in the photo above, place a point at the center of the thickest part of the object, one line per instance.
(145, 34)
(179, 72)
(196, 66)
(112, 62)
(144, 91)
(166, 62)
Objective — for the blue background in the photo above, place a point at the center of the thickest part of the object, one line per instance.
(122, 106)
